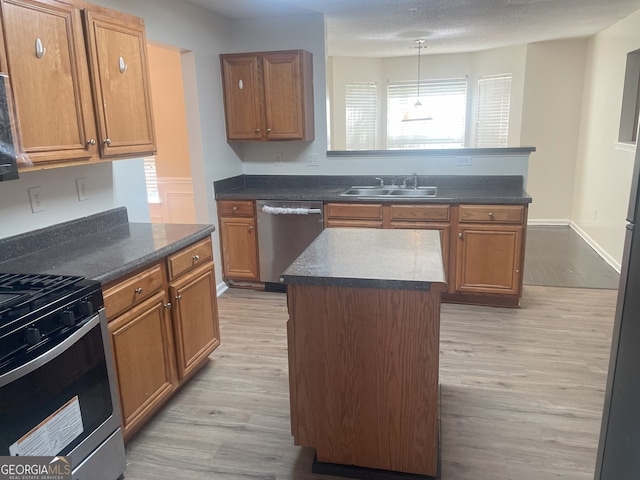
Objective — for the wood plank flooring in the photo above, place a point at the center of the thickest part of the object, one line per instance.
(559, 257)
(521, 394)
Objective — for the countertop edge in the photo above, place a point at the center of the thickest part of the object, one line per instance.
(357, 282)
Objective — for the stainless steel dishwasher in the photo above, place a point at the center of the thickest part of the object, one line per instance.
(285, 229)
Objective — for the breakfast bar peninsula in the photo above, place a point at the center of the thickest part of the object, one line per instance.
(363, 337)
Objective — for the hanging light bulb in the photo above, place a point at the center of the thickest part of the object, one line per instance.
(417, 111)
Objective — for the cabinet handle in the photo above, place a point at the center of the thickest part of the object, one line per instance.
(123, 66)
(40, 50)
(196, 258)
(268, 130)
(107, 141)
(167, 305)
(92, 141)
(460, 235)
(179, 297)
(139, 290)
(257, 130)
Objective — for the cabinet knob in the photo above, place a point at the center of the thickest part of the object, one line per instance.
(167, 305)
(107, 141)
(179, 297)
(121, 65)
(518, 271)
(234, 209)
(491, 214)
(257, 130)
(92, 141)
(268, 130)
(196, 258)
(139, 290)
(460, 235)
(250, 228)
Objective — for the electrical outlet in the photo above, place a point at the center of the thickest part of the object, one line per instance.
(463, 161)
(37, 201)
(81, 187)
(278, 159)
(312, 160)
(595, 214)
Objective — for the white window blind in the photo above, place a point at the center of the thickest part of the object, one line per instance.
(151, 178)
(446, 101)
(492, 115)
(362, 115)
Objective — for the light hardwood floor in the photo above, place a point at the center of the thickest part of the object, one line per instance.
(521, 394)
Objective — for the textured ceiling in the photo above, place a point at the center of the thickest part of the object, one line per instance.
(387, 28)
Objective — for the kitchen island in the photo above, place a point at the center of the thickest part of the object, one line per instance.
(363, 335)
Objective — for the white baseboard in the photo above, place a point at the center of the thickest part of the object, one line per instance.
(221, 288)
(556, 222)
(599, 250)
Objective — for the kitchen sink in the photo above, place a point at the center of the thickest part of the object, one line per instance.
(391, 191)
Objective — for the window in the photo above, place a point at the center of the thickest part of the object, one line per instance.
(445, 99)
(492, 115)
(362, 115)
(151, 178)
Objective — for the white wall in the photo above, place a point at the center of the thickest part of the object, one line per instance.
(552, 108)
(603, 172)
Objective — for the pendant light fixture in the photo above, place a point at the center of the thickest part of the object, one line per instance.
(417, 111)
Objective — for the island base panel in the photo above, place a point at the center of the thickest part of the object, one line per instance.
(364, 375)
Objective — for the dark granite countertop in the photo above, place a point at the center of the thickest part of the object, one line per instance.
(370, 258)
(453, 189)
(102, 247)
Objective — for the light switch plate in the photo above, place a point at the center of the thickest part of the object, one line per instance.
(278, 159)
(312, 160)
(463, 161)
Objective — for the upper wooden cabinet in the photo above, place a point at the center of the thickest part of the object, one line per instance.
(118, 64)
(72, 103)
(47, 67)
(268, 95)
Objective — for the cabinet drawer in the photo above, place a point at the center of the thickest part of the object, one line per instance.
(420, 213)
(354, 211)
(491, 213)
(132, 291)
(190, 257)
(242, 208)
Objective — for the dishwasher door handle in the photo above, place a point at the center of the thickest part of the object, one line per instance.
(290, 211)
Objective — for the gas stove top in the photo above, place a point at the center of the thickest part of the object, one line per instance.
(34, 308)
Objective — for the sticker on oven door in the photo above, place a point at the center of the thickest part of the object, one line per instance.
(52, 434)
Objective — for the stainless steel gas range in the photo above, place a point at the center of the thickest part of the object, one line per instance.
(57, 386)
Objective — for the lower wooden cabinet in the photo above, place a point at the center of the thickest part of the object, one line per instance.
(488, 259)
(195, 322)
(239, 240)
(142, 342)
(163, 323)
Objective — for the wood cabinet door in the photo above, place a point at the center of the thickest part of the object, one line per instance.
(239, 248)
(283, 95)
(195, 316)
(489, 259)
(120, 81)
(242, 97)
(49, 78)
(142, 344)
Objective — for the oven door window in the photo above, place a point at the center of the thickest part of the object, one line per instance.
(58, 404)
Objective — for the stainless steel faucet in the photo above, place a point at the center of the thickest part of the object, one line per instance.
(413, 177)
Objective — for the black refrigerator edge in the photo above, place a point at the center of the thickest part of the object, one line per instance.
(619, 447)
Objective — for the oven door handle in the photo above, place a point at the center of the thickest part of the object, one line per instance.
(290, 210)
(49, 355)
